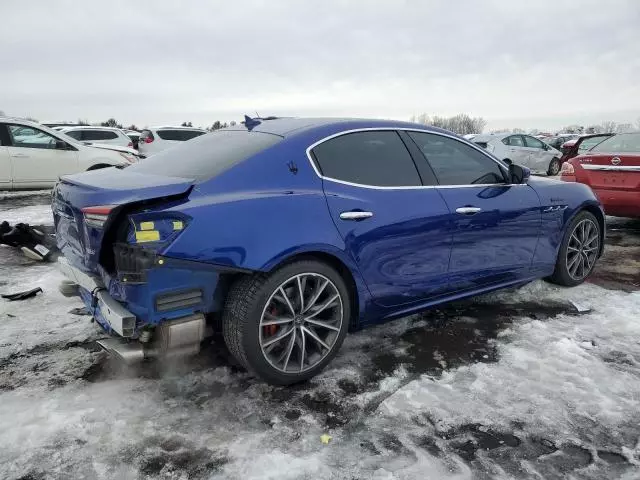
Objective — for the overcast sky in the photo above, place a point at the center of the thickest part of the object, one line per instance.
(521, 64)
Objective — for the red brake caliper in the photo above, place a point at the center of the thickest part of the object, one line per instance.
(270, 329)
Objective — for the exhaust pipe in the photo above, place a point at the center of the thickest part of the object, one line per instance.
(172, 338)
(128, 352)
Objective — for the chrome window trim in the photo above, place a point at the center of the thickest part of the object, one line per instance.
(623, 168)
(408, 187)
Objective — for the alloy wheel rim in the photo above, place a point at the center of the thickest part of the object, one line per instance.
(555, 167)
(582, 250)
(301, 322)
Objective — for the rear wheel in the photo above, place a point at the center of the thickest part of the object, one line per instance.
(579, 250)
(554, 167)
(287, 326)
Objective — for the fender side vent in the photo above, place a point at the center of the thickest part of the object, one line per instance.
(178, 300)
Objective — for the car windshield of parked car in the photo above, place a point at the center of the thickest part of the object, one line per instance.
(590, 142)
(208, 155)
(625, 143)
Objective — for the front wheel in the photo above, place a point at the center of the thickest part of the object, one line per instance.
(288, 325)
(554, 167)
(579, 251)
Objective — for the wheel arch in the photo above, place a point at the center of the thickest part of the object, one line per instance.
(358, 292)
(596, 211)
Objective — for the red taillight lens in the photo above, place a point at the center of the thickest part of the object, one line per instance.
(97, 216)
(148, 139)
(130, 145)
(567, 169)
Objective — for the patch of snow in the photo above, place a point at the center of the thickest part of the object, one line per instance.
(10, 195)
(33, 215)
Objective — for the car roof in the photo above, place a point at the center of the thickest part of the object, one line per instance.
(171, 127)
(288, 126)
(92, 127)
(492, 136)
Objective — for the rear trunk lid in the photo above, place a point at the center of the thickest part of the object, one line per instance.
(611, 171)
(81, 243)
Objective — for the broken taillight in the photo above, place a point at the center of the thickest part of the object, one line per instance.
(96, 216)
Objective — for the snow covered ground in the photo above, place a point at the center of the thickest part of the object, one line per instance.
(511, 385)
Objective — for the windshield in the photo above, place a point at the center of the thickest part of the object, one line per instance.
(207, 155)
(624, 143)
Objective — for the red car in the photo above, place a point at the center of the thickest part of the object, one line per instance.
(612, 170)
(580, 145)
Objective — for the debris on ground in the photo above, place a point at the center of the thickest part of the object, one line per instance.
(21, 295)
(33, 243)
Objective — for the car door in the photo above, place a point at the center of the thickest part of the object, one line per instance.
(37, 159)
(5, 160)
(517, 152)
(496, 225)
(539, 156)
(397, 230)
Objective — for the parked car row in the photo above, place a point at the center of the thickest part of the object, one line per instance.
(148, 142)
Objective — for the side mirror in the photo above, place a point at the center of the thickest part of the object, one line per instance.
(518, 174)
(61, 145)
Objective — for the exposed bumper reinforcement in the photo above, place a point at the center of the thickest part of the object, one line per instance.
(121, 320)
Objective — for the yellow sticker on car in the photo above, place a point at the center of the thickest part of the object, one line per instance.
(147, 226)
(147, 236)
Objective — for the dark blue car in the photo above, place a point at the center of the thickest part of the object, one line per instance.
(285, 234)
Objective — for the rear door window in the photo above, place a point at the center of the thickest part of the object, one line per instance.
(75, 134)
(95, 135)
(376, 158)
(455, 162)
(206, 156)
(178, 135)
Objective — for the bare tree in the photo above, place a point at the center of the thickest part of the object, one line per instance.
(609, 126)
(518, 130)
(624, 128)
(461, 124)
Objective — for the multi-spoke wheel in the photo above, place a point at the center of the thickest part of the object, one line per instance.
(579, 251)
(287, 326)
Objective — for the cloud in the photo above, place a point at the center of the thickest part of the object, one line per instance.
(166, 61)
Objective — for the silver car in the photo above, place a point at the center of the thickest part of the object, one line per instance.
(523, 150)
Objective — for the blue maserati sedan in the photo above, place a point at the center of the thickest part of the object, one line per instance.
(285, 234)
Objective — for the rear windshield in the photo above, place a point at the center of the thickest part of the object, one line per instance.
(624, 143)
(208, 155)
(178, 135)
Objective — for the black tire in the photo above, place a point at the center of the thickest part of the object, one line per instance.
(561, 274)
(554, 167)
(243, 311)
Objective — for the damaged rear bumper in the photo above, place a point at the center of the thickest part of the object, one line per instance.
(173, 335)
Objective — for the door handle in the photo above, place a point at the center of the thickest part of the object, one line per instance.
(20, 155)
(355, 215)
(468, 210)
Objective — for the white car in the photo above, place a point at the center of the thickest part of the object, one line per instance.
(523, 150)
(156, 139)
(33, 156)
(102, 135)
